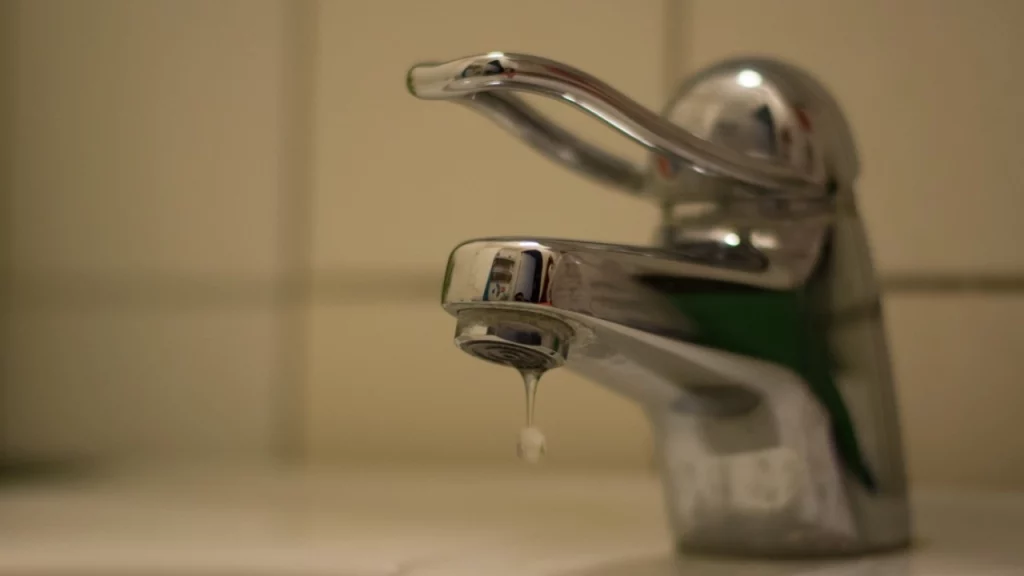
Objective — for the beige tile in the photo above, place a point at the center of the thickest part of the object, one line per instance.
(387, 384)
(149, 136)
(959, 364)
(8, 96)
(140, 385)
(400, 181)
(934, 109)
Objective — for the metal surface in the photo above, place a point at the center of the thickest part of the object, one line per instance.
(485, 82)
(752, 335)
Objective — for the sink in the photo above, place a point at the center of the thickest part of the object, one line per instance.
(521, 522)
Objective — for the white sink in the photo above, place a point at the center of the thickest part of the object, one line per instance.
(421, 523)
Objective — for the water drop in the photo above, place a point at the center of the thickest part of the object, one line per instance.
(532, 444)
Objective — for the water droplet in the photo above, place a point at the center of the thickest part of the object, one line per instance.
(532, 444)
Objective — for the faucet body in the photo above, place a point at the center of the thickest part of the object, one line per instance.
(751, 333)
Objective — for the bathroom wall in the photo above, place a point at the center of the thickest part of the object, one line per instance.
(230, 221)
(226, 221)
(149, 159)
(931, 90)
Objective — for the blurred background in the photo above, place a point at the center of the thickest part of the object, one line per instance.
(226, 222)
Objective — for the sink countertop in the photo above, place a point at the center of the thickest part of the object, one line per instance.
(420, 523)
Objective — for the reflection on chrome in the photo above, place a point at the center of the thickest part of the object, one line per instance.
(751, 334)
(748, 78)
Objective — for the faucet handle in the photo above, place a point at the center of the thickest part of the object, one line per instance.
(523, 121)
(486, 83)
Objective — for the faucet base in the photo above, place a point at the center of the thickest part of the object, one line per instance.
(780, 495)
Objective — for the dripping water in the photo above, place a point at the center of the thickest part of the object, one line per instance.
(532, 444)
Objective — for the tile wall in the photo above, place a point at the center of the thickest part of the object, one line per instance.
(143, 230)
(226, 222)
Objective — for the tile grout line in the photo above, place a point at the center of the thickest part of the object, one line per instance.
(953, 283)
(293, 295)
(675, 54)
(675, 45)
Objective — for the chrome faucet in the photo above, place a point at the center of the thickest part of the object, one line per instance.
(752, 333)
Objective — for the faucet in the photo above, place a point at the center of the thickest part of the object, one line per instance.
(751, 331)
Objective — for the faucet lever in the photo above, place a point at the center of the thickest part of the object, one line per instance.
(482, 82)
